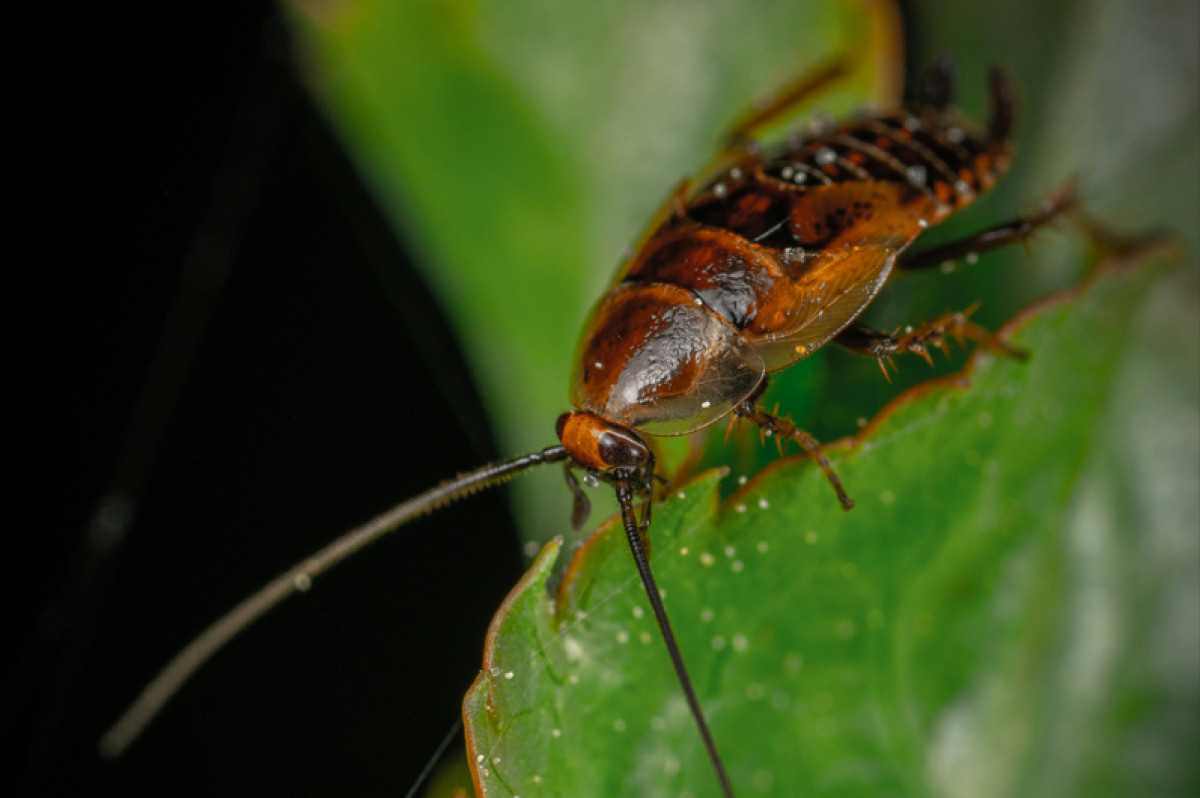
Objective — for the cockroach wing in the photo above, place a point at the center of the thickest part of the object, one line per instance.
(835, 287)
(862, 228)
(656, 358)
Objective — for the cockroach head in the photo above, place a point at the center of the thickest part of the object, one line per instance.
(600, 445)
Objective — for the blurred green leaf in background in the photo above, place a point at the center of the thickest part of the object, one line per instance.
(520, 146)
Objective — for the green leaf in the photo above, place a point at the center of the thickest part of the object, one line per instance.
(915, 646)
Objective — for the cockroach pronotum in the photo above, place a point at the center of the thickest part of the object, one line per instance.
(765, 258)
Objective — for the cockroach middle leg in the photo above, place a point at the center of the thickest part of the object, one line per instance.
(783, 428)
(864, 340)
(1019, 230)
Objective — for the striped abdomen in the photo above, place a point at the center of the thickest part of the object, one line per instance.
(931, 159)
(755, 242)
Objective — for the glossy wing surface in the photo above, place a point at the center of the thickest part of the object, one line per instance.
(818, 305)
(856, 231)
(655, 358)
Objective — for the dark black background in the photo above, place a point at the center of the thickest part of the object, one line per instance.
(321, 388)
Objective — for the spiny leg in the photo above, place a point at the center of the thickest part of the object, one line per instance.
(782, 428)
(636, 537)
(1012, 232)
(864, 340)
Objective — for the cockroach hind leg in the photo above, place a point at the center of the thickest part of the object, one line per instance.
(863, 340)
(1061, 203)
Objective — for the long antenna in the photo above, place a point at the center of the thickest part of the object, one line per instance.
(299, 578)
(625, 497)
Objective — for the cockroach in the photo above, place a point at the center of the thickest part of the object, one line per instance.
(769, 255)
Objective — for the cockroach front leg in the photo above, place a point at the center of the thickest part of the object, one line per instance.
(864, 340)
(783, 429)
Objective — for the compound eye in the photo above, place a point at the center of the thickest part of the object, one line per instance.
(621, 451)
